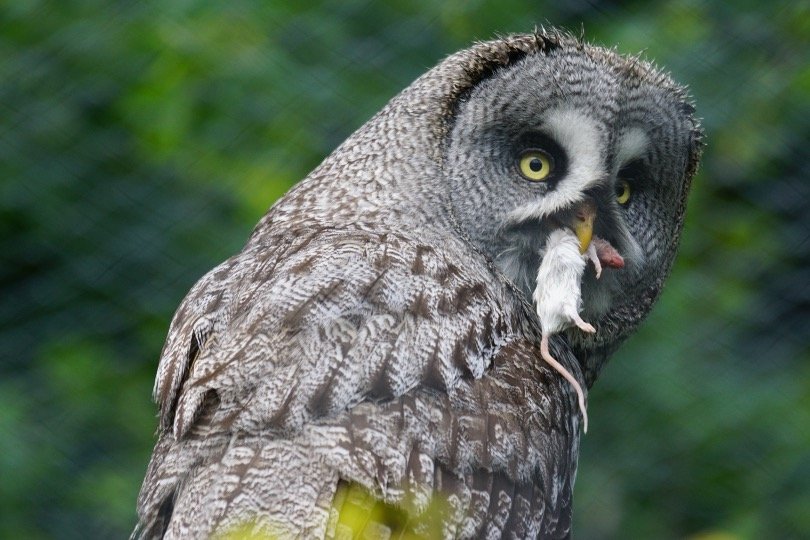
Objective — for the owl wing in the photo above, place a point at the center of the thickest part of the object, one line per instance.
(314, 363)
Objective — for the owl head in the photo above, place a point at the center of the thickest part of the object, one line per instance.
(502, 143)
(566, 126)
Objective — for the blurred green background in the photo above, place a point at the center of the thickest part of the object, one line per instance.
(141, 140)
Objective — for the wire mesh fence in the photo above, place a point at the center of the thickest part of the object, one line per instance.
(141, 141)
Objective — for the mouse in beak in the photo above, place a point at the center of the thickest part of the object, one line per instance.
(558, 294)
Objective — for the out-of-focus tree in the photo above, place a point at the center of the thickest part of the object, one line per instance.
(140, 141)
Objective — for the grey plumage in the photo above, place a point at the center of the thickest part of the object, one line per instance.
(377, 329)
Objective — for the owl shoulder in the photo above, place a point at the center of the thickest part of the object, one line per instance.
(307, 323)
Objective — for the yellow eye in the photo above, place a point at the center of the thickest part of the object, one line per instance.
(622, 191)
(535, 165)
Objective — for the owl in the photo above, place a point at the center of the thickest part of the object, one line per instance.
(375, 361)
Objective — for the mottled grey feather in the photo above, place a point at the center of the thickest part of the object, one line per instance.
(373, 333)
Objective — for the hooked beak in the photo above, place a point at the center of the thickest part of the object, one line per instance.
(584, 216)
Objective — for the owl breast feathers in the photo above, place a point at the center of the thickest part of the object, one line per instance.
(370, 362)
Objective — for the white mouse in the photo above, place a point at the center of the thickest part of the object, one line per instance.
(558, 297)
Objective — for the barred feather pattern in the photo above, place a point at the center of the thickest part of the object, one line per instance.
(373, 373)
(367, 335)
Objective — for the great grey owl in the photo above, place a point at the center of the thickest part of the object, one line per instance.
(375, 348)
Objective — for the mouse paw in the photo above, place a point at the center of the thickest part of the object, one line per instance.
(584, 326)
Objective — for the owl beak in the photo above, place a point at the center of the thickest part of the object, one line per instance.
(584, 216)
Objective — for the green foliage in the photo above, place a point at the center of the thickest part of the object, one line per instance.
(359, 513)
(140, 141)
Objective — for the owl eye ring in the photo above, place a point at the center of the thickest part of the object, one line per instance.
(535, 165)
